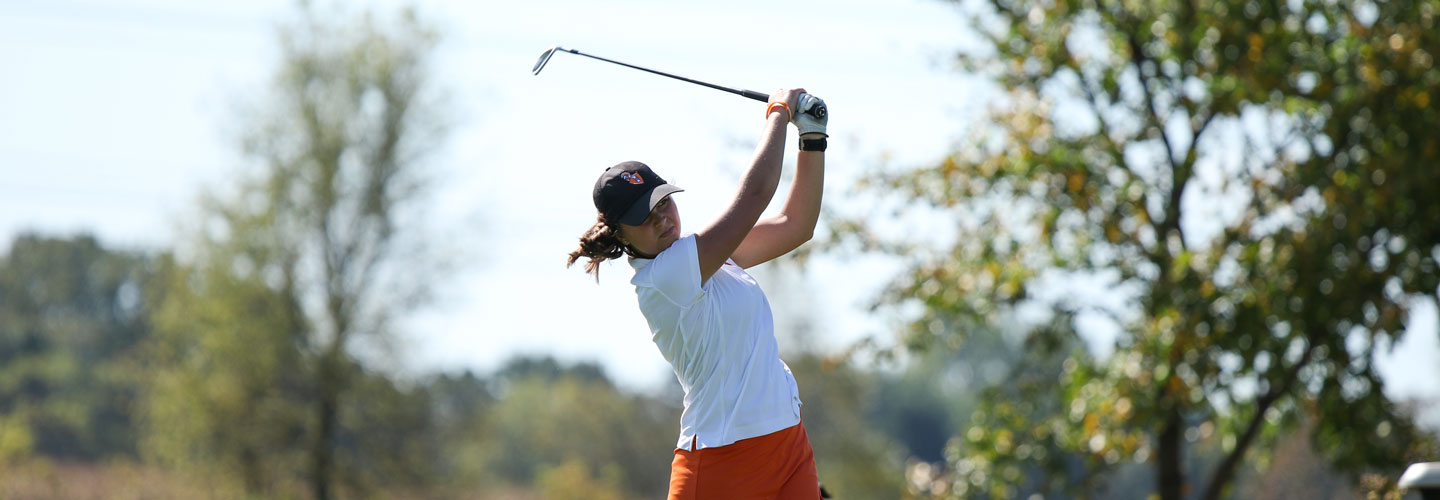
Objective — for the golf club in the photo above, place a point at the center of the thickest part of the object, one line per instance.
(818, 111)
(544, 58)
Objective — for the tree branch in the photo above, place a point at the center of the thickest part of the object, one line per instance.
(1116, 150)
(1180, 172)
(1117, 153)
(1226, 470)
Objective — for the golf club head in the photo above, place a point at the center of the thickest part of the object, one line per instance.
(544, 58)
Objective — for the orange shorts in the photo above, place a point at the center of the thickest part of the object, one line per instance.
(779, 466)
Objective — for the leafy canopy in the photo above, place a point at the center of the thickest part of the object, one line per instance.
(1241, 192)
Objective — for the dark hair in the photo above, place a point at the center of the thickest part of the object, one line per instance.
(599, 243)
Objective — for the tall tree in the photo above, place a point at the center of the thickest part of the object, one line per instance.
(323, 237)
(1255, 181)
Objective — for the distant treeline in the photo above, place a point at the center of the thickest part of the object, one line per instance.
(85, 378)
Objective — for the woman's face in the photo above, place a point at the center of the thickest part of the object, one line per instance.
(658, 231)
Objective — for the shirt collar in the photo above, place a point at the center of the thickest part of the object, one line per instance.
(639, 263)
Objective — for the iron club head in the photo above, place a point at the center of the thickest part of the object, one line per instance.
(544, 58)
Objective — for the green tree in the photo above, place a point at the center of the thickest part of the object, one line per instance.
(312, 256)
(1254, 179)
(459, 406)
(388, 437)
(71, 311)
(572, 480)
(553, 426)
(230, 381)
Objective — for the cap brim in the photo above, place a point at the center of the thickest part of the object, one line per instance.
(640, 211)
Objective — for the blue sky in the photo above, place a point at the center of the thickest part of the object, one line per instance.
(113, 116)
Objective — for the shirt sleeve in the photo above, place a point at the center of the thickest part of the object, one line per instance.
(675, 273)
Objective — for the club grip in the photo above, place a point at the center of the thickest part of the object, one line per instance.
(755, 95)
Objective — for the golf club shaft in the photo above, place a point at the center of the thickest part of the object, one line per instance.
(741, 92)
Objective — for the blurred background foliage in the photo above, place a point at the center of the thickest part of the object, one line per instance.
(1252, 180)
(103, 392)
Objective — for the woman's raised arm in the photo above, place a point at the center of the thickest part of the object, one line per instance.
(795, 224)
(717, 242)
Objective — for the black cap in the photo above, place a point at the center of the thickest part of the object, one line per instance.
(628, 191)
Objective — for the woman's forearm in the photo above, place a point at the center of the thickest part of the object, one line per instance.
(760, 181)
(802, 205)
(716, 243)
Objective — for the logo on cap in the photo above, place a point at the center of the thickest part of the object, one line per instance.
(632, 178)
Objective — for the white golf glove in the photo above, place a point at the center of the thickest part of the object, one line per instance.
(811, 117)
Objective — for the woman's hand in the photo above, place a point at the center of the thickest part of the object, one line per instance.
(810, 116)
(789, 97)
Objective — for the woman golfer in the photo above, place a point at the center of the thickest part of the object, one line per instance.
(740, 433)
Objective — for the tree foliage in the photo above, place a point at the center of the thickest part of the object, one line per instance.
(1253, 179)
(71, 313)
(554, 425)
(227, 382)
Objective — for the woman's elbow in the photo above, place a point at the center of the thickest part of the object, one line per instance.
(808, 227)
(804, 236)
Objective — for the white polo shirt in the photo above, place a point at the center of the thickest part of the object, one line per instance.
(720, 339)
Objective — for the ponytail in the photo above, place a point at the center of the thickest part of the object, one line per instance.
(599, 243)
